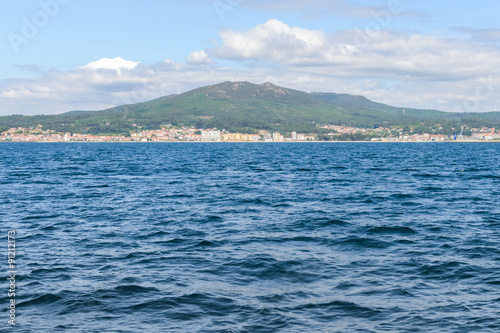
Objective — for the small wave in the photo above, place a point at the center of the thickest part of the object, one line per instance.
(449, 271)
(319, 223)
(267, 268)
(157, 234)
(390, 230)
(41, 217)
(49, 228)
(176, 196)
(431, 189)
(97, 186)
(334, 222)
(189, 306)
(426, 175)
(253, 201)
(45, 271)
(402, 196)
(133, 289)
(44, 299)
(205, 243)
(335, 309)
(281, 204)
(19, 175)
(212, 218)
(356, 243)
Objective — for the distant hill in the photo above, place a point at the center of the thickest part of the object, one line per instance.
(247, 107)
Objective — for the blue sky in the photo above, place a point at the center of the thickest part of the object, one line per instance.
(62, 55)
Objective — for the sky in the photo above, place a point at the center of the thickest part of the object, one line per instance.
(63, 55)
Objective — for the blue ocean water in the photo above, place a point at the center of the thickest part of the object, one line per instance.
(334, 237)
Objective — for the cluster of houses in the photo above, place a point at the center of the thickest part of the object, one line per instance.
(397, 134)
(165, 134)
(219, 136)
(415, 138)
(477, 135)
(486, 136)
(171, 133)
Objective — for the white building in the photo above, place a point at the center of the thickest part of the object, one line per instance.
(210, 136)
(277, 137)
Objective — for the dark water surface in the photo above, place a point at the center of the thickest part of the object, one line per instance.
(253, 237)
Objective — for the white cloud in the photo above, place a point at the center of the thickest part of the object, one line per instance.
(199, 58)
(117, 63)
(96, 89)
(379, 54)
(273, 40)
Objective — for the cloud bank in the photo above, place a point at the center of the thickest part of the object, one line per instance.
(412, 70)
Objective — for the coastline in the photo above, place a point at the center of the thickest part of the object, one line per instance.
(259, 142)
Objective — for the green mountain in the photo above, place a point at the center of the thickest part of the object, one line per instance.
(247, 107)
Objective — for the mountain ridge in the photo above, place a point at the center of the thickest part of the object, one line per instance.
(248, 107)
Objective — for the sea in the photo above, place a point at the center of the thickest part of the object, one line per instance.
(251, 237)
